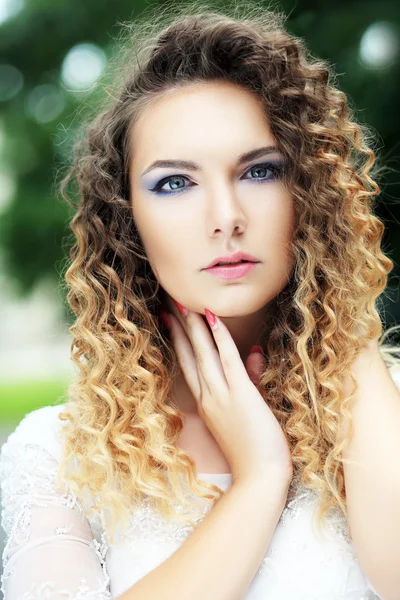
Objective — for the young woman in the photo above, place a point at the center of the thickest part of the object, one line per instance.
(233, 431)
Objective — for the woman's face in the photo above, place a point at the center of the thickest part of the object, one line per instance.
(219, 205)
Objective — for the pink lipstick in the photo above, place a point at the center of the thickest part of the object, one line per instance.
(233, 271)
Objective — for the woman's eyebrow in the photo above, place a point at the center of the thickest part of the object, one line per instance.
(192, 166)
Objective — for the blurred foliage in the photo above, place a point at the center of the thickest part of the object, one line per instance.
(34, 225)
(17, 399)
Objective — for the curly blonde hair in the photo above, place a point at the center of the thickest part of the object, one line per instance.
(122, 422)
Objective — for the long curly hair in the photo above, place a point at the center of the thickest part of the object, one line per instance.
(120, 439)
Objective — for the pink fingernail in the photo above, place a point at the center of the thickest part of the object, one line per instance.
(211, 319)
(256, 349)
(182, 309)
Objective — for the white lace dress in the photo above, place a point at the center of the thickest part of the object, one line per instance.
(54, 552)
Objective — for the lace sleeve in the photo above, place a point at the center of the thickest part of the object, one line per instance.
(50, 551)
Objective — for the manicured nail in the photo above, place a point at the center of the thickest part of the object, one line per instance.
(211, 318)
(182, 309)
(256, 349)
(165, 318)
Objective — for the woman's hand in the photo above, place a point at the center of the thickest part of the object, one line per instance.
(227, 400)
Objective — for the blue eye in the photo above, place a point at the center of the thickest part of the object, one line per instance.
(276, 168)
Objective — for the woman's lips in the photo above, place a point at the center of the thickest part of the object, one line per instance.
(233, 271)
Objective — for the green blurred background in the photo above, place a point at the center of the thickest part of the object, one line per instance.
(52, 53)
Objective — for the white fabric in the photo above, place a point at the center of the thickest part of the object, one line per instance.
(53, 551)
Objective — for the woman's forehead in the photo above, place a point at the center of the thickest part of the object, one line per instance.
(208, 122)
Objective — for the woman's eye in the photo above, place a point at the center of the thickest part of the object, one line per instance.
(274, 168)
(260, 171)
(167, 180)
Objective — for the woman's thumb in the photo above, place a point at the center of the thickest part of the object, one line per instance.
(255, 364)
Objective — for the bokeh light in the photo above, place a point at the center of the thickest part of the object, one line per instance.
(45, 103)
(11, 82)
(379, 45)
(82, 66)
(9, 9)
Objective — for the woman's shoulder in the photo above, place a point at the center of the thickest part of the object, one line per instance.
(40, 427)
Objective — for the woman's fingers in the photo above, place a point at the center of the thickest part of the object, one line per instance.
(206, 357)
(232, 364)
(221, 366)
(209, 358)
(186, 358)
(255, 365)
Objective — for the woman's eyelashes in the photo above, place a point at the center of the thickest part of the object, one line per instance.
(274, 168)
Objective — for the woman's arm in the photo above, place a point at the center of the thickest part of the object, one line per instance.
(373, 488)
(50, 550)
(219, 560)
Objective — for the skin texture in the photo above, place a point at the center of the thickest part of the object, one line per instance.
(220, 209)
